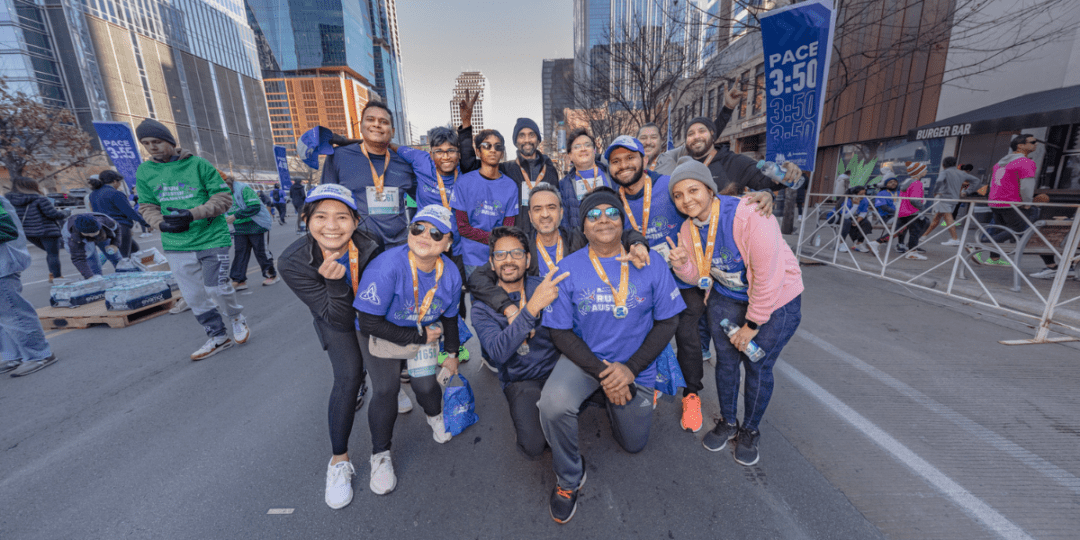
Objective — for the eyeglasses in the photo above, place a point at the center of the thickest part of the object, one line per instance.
(582, 146)
(611, 212)
(488, 146)
(445, 153)
(418, 228)
(500, 255)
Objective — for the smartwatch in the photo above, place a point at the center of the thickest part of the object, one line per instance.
(751, 324)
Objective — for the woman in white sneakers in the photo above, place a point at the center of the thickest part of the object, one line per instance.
(322, 268)
(409, 296)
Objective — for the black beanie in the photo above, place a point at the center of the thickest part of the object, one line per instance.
(527, 123)
(704, 121)
(86, 224)
(600, 195)
(153, 128)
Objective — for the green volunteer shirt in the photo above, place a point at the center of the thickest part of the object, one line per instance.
(185, 184)
(244, 223)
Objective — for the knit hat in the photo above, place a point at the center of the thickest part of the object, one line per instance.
(86, 224)
(915, 168)
(437, 215)
(600, 195)
(624, 141)
(704, 121)
(523, 123)
(691, 169)
(153, 128)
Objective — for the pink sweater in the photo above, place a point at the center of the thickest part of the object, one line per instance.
(914, 190)
(772, 272)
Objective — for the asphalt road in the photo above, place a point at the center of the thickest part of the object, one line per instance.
(894, 415)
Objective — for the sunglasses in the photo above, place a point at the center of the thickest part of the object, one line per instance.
(497, 146)
(611, 212)
(500, 255)
(418, 228)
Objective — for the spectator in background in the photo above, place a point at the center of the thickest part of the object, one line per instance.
(250, 223)
(298, 195)
(908, 222)
(950, 185)
(854, 211)
(84, 231)
(106, 199)
(22, 340)
(1011, 181)
(585, 176)
(40, 220)
(649, 135)
(277, 196)
(884, 201)
(146, 228)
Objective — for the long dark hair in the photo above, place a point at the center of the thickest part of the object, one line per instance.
(22, 184)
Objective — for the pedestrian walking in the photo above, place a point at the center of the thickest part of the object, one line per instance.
(323, 269)
(949, 185)
(251, 222)
(41, 221)
(23, 348)
(408, 296)
(195, 237)
(751, 279)
(106, 199)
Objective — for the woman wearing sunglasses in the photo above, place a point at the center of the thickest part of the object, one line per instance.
(323, 269)
(752, 279)
(482, 200)
(409, 295)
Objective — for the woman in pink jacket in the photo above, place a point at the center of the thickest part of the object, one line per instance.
(752, 279)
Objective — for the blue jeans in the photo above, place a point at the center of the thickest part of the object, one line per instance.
(21, 335)
(771, 337)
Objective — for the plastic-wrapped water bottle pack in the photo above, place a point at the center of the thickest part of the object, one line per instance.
(136, 293)
(78, 293)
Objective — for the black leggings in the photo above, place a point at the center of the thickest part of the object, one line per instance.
(688, 341)
(913, 231)
(385, 384)
(344, 350)
(51, 246)
(123, 240)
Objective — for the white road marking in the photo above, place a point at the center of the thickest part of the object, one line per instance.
(1015, 451)
(978, 509)
(279, 511)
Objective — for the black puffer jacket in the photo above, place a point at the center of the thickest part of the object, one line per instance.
(38, 215)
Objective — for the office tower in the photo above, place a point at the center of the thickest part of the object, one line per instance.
(471, 82)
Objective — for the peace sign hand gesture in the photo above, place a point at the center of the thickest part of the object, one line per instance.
(546, 292)
(465, 108)
(678, 256)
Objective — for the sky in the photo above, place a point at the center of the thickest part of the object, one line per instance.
(505, 40)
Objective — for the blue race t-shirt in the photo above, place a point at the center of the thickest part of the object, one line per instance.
(486, 202)
(664, 219)
(585, 305)
(381, 214)
(427, 185)
(728, 268)
(386, 289)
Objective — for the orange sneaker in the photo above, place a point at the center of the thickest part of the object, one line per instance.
(691, 413)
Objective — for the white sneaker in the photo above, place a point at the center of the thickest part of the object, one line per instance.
(404, 404)
(146, 235)
(212, 347)
(1045, 273)
(953, 242)
(843, 248)
(383, 480)
(180, 306)
(240, 329)
(438, 429)
(915, 256)
(339, 484)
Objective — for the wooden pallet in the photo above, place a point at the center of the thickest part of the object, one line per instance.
(95, 313)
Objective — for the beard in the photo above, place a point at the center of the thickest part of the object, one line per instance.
(632, 181)
(696, 155)
(527, 150)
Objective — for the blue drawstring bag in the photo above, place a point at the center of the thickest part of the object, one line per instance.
(464, 334)
(459, 406)
(669, 376)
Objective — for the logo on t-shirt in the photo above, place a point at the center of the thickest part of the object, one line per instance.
(489, 208)
(371, 295)
(408, 312)
(601, 299)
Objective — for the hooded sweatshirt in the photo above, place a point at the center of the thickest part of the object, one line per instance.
(190, 183)
(1006, 176)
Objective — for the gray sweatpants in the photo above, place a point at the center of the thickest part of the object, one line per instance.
(203, 277)
(565, 390)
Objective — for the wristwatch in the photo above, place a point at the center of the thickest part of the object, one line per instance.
(751, 324)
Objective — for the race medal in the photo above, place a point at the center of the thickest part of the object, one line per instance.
(422, 308)
(620, 312)
(705, 283)
(704, 257)
(547, 258)
(523, 349)
(442, 189)
(376, 178)
(645, 208)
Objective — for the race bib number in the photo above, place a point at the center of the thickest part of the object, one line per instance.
(731, 280)
(387, 203)
(426, 361)
(524, 194)
(664, 250)
(580, 189)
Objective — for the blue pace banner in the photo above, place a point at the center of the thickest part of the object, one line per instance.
(797, 42)
(282, 167)
(119, 143)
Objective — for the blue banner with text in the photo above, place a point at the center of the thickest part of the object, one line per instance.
(119, 143)
(282, 167)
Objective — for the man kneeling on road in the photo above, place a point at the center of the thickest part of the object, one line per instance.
(611, 322)
(521, 350)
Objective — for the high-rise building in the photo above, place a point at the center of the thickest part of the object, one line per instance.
(471, 82)
(322, 62)
(558, 95)
(190, 64)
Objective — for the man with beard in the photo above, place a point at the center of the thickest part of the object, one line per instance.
(529, 169)
(649, 135)
(521, 350)
(611, 322)
(379, 179)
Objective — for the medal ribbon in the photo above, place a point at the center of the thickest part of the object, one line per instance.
(354, 266)
(704, 262)
(442, 188)
(525, 174)
(547, 258)
(589, 186)
(380, 178)
(646, 206)
(624, 279)
(422, 309)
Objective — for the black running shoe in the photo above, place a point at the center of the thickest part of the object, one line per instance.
(718, 438)
(564, 501)
(746, 447)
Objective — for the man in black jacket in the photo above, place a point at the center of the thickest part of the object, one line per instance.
(529, 169)
(298, 196)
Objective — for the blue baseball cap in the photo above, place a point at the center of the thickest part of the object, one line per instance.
(624, 141)
(332, 191)
(437, 215)
(313, 143)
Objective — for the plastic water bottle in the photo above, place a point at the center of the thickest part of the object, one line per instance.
(753, 352)
(776, 172)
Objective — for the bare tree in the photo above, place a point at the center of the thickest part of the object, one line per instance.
(37, 140)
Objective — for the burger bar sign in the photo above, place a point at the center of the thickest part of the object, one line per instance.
(943, 131)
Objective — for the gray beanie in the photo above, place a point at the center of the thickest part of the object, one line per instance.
(153, 128)
(691, 169)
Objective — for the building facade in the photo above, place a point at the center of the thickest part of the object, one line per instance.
(558, 96)
(471, 82)
(191, 64)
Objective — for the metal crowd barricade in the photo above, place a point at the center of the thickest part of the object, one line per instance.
(965, 271)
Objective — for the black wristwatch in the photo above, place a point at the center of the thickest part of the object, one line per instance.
(751, 324)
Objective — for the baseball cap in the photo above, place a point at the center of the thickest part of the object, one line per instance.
(313, 143)
(437, 215)
(624, 141)
(332, 191)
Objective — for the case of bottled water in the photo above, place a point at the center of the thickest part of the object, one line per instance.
(126, 294)
(78, 293)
